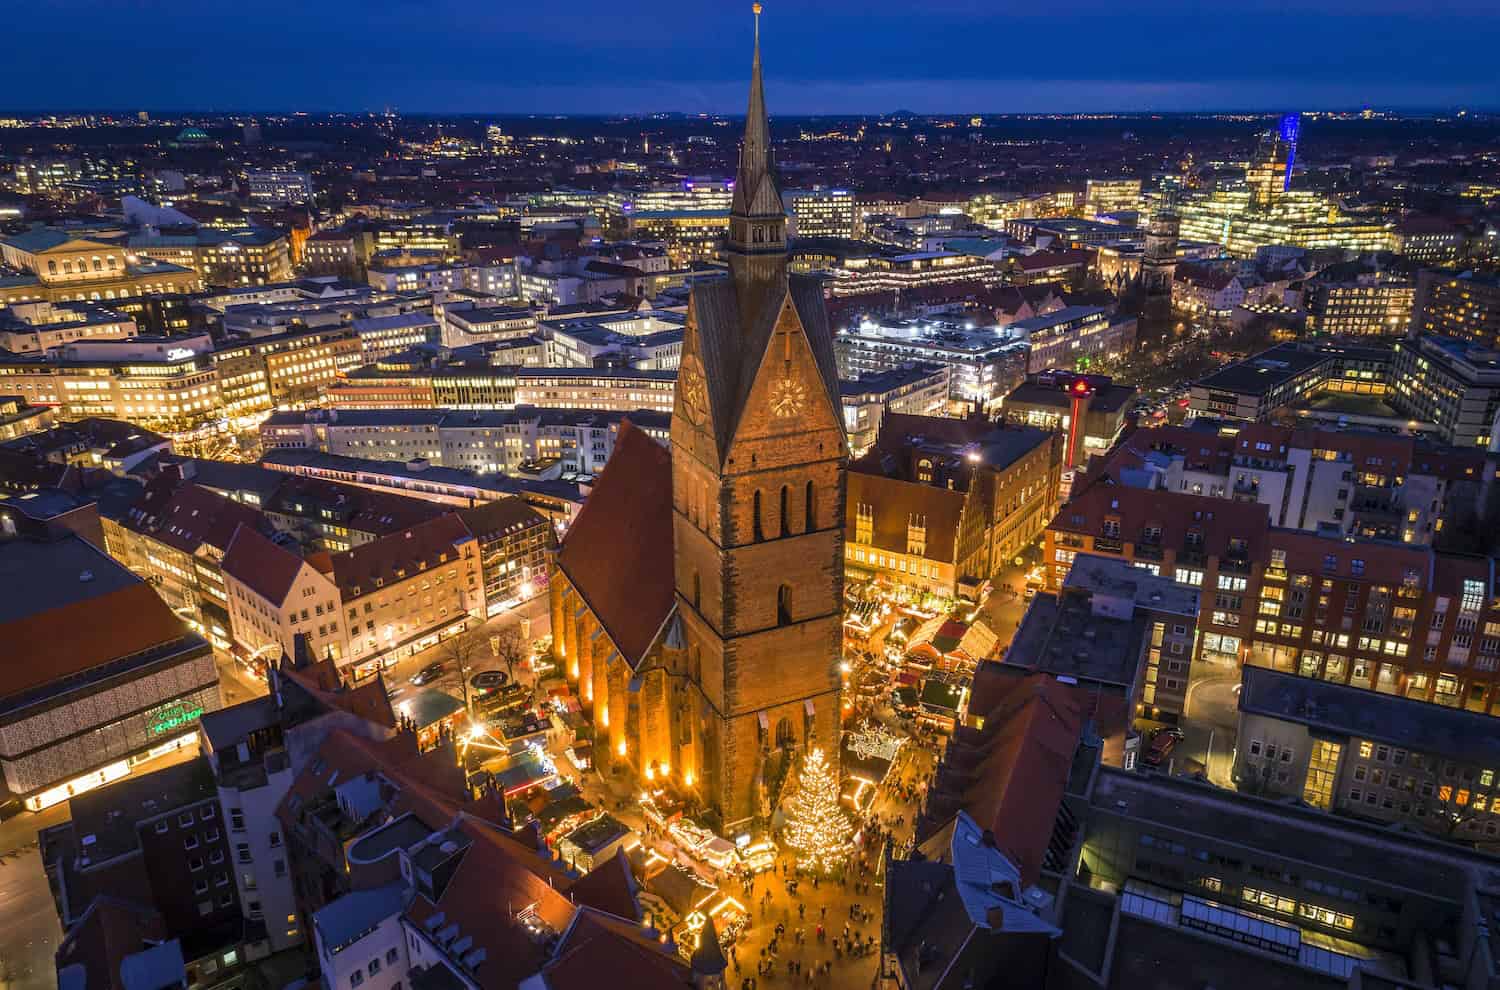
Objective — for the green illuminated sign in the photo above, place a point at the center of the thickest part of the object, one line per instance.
(173, 715)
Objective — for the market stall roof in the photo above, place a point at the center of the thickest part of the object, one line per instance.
(679, 888)
(941, 696)
(947, 636)
(430, 706)
(523, 770)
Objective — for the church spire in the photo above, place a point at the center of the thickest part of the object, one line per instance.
(757, 221)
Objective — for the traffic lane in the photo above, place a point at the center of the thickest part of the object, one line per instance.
(536, 610)
(29, 929)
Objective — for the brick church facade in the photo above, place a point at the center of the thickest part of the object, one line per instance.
(697, 600)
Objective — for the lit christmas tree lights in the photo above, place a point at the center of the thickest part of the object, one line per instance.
(816, 827)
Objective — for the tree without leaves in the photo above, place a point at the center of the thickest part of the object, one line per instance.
(510, 648)
(462, 650)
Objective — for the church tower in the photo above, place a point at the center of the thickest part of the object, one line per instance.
(758, 475)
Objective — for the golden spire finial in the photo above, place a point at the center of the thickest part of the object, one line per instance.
(755, 8)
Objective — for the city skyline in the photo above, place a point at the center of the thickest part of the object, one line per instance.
(834, 59)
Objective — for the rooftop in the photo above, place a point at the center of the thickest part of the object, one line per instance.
(1337, 709)
(347, 919)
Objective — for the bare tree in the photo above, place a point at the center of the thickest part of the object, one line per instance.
(462, 650)
(510, 648)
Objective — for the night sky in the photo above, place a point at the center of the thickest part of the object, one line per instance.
(833, 56)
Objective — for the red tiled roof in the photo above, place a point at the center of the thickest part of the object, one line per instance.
(601, 951)
(1031, 735)
(496, 879)
(1051, 259)
(610, 887)
(370, 700)
(1207, 278)
(70, 639)
(618, 552)
(355, 571)
(264, 567)
(187, 516)
(1218, 519)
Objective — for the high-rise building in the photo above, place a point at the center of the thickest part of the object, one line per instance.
(1158, 271)
(1111, 196)
(1465, 305)
(821, 212)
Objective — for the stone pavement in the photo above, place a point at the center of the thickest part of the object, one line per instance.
(825, 901)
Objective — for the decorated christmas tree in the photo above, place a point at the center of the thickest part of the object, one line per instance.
(816, 827)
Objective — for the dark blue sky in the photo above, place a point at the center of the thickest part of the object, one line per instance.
(822, 56)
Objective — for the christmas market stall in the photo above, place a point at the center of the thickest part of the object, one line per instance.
(595, 841)
(946, 644)
(433, 713)
(867, 755)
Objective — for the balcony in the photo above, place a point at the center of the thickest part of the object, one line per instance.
(1105, 544)
(1148, 551)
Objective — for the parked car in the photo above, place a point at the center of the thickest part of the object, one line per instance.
(427, 674)
(1163, 741)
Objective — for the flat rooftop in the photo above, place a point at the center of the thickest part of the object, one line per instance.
(1263, 372)
(1061, 635)
(1120, 579)
(1337, 709)
(1278, 830)
(38, 576)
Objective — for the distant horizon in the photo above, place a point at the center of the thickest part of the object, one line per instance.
(1414, 110)
(822, 57)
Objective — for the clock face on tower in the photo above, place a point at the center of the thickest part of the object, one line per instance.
(694, 394)
(787, 398)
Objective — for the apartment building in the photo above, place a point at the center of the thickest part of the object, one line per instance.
(275, 595)
(400, 594)
(916, 389)
(1114, 629)
(1392, 617)
(1345, 482)
(175, 537)
(256, 750)
(157, 843)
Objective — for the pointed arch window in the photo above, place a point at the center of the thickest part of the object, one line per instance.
(810, 510)
(759, 531)
(786, 515)
(784, 605)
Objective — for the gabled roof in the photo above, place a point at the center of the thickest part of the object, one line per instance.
(732, 352)
(618, 552)
(428, 544)
(598, 950)
(262, 566)
(188, 516)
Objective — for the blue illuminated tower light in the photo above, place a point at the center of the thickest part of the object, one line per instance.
(1291, 124)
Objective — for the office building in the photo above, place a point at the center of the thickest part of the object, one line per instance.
(1075, 337)
(1088, 411)
(1262, 384)
(1354, 299)
(1464, 305)
(1111, 196)
(915, 389)
(1367, 755)
(31, 328)
(821, 212)
(130, 685)
(982, 362)
(1450, 383)
(221, 258)
(279, 188)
